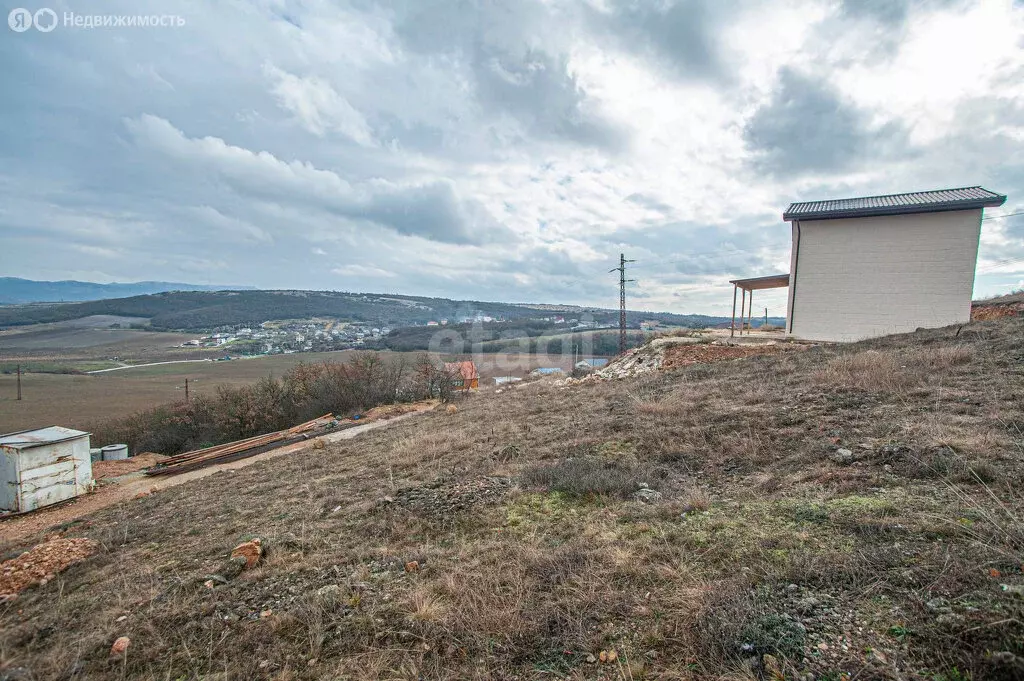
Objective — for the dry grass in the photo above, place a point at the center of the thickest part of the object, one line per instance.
(895, 370)
(425, 608)
(765, 553)
(696, 499)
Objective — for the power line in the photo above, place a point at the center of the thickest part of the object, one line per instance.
(621, 269)
(992, 266)
(1008, 215)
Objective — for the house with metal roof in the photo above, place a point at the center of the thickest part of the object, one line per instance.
(877, 265)
(42, 467)
(464, 375)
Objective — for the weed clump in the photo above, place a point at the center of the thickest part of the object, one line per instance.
(585, 476)
(738, 623)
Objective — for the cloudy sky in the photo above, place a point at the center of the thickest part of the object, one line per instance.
(494, 150)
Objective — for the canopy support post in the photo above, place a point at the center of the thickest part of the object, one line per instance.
(732, 332)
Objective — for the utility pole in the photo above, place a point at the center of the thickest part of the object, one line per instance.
(621, 269)
(19, 383)
(186, 389)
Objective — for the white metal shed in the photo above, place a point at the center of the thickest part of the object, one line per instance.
(877, 265)
(42, 467)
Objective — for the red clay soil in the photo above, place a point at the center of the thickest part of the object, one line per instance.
(41, 563)
(983, 313)
(677, 356)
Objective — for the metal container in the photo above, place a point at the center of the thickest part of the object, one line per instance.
(42, 467)
(115, 452)
(95, 454)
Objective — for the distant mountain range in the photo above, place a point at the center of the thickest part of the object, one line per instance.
(15, 291)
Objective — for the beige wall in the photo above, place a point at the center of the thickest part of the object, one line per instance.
(857, 278)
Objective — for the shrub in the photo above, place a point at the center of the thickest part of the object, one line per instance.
(585, 475)
(580, 372)
(305, 392)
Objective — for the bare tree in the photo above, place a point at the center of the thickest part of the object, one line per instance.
(435, 379)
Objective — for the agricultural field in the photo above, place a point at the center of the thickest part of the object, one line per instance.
(96, 342)
(82, 401)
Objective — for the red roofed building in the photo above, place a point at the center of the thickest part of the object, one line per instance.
(464, 375)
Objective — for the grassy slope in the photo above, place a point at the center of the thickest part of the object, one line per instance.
(763, 551)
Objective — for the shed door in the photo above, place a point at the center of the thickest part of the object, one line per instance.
(45, 485)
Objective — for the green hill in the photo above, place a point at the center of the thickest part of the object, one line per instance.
(205, 310)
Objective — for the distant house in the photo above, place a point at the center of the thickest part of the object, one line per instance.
(464, 375)
(877, 265)
(592, 363)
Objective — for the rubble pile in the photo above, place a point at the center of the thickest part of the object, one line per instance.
(635, 362)
(444, 496)
(42, 563)
(675, 352)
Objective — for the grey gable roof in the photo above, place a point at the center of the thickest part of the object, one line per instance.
(964, 198)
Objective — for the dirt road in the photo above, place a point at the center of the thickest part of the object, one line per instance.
(118, 489)
(150, 364)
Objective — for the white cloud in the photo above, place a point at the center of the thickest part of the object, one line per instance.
(497, 150)
(943, 59)
(233, 226)
(430, 210)
(362, 271)
(96, 251)
(317, 106)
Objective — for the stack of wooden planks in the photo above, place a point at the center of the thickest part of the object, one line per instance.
(239, 449)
